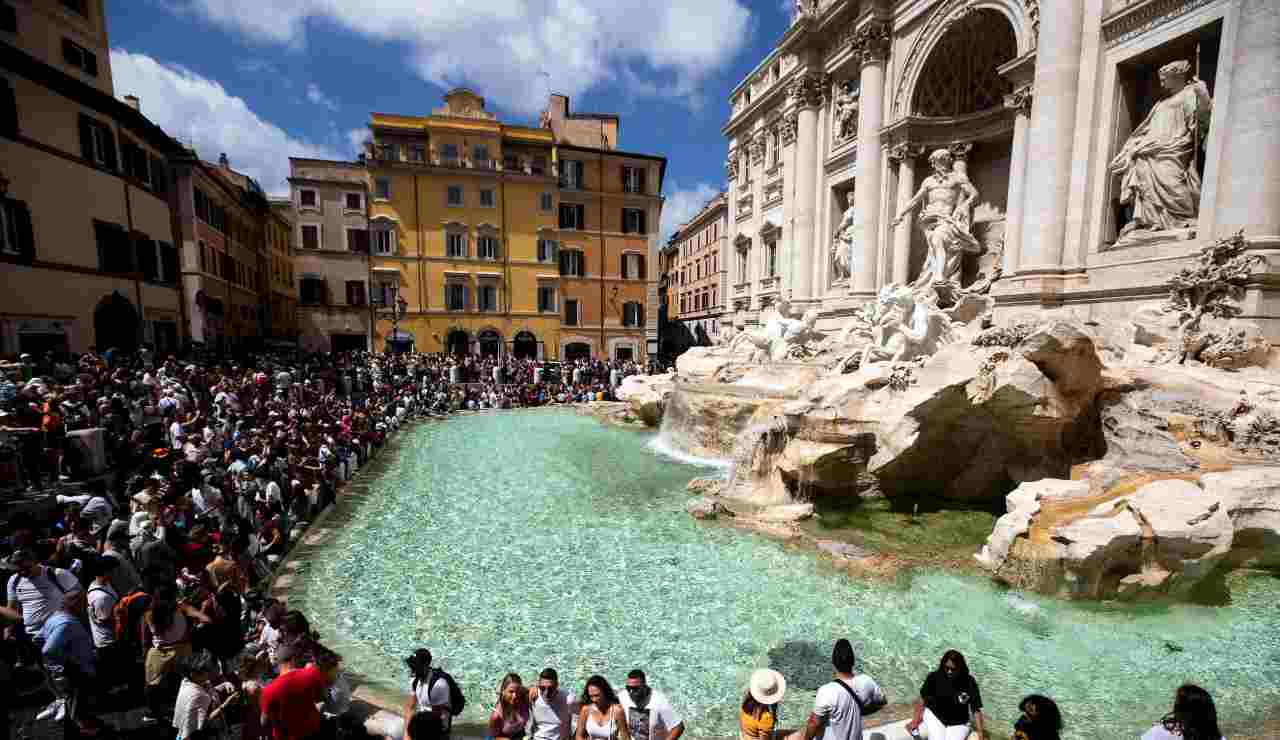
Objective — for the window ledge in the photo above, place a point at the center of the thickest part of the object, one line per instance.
(381, 200)
(306, 209)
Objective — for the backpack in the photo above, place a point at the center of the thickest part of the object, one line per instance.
(457, 702)
(127, 613)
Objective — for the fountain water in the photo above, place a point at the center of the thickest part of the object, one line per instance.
(755, 456)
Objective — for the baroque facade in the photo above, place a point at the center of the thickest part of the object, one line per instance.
(1051, 195)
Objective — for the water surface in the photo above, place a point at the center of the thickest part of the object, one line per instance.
(514, 541)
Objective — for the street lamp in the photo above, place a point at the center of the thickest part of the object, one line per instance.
(399, 308)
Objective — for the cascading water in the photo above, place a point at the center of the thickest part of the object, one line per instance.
(672, 441)
(755, 454)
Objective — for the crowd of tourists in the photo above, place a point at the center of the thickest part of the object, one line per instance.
(181, 484)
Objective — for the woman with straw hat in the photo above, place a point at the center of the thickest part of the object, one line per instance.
(759, 716)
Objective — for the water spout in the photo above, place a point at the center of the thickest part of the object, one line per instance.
(755, 453)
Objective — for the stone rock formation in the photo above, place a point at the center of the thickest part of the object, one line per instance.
(647, 395)
(706, 508)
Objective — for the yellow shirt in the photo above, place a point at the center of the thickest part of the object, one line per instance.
(756, 728)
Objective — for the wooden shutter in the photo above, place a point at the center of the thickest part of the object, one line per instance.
(20, 229)
(86, 137)
(642, 171)
(623, 171)
(626, 222)
(159, 176)
(643, 225)
(109, 147)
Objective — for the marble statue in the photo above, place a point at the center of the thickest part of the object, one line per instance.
(782, 336)
(946, 222)
(846, 112)
(843, 241)
(908, 325)
(1157, 162)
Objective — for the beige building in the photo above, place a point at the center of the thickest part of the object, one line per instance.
(698, 282)
(1033, 101)
(87, 237)
(282, 308)
(330, 202)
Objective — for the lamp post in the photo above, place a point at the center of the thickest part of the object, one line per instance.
(399, 308)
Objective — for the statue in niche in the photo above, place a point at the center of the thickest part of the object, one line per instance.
(946, 222)
(1157, 162)
(843, 240)
(846, 112)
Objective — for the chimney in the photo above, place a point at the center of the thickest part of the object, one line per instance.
(132, 102)
(223, 162)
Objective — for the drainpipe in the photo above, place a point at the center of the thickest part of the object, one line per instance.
(604, 262)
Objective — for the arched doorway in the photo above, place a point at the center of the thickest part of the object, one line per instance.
(577, 351)
(525, 346)
(490, 343)
(457, 342)
(115, 324)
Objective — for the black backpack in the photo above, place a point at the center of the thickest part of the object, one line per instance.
(457, 702)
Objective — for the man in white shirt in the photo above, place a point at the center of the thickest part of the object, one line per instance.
(839, 707)
(650, 715)
(37, 591)
(552, 708)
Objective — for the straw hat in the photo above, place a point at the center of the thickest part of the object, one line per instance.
(767, 686)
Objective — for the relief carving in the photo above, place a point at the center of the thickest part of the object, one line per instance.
(871, 42)
(845, 120)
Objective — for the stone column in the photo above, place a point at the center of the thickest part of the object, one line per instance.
(1057, 81)
(905, 155)
(1020, 102)
(872, 44)
(806, 93)
(1249, 171)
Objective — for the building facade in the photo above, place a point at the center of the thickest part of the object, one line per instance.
(498, 238)
(88, 252)
(331, 263)
(282, 306)
(699, 282)
(833, 132)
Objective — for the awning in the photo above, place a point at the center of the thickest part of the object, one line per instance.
(394, 270)
(384, 217)
(400, 335)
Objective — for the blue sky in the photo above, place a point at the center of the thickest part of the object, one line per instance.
(263, 80)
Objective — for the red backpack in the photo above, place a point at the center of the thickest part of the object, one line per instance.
(128, 613)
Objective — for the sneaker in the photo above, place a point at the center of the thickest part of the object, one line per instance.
(57, 707)
(62, 711)
(147, 719)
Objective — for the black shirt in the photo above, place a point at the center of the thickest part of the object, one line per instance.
(951, 698)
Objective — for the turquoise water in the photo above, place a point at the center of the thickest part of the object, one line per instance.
(514, 541)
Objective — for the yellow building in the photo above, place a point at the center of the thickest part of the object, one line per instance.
(87, 237)
(498, 238)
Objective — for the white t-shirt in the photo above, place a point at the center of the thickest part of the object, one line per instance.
(102, 601)
(1158, 732)
(843, 718)
(661, 715)
(550, 717)
(174, 430)
(39, 596)
(427, 697)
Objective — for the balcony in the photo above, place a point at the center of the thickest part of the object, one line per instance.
(742, 288)
(767, 283)
(484, 164)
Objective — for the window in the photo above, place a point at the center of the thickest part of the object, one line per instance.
(455, 296)
(418, 153)
(633, 180)
(79, 57)
(571, 174)
(134, 159)
(383, 241)
(572, 263)
(546, 202)
(572, 216)
(487, 247)
(311, 291)
(487, 297)
(114, 253)
(354, 202)
(743, 273)
(159, 176)
(775, 148)
(15, 229)
(633, 221)
(771, 257)
(8, 18)
(571, 311)
(97, 142)
(546, 299)
(486, 198)
(632, 314)
(547, 250)
(384, 293)
(148, 260)
(480, 157)
(358, 241)
(454, 197)
(355, 293)
(539, 166)
(449, 154)
(382, 188)
(632, 266)
(455, 244)
(307, 199)
(310, 236)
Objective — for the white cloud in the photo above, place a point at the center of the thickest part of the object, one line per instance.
(357, 137)
(317, 96)
(199, 112)
(683, 204)
(502, 47)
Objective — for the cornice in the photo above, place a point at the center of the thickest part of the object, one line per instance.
(1142, 16)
